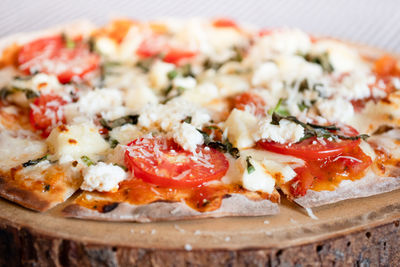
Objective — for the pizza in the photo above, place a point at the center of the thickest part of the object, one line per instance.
(171, 119)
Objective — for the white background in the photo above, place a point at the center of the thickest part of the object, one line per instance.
(371, 22)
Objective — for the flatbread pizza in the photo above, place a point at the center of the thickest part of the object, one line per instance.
(173, 119)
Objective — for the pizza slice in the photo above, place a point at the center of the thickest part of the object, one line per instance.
(167, 120)
(35, 68)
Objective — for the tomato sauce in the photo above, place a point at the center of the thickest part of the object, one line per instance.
(203, 198)
(326, 174)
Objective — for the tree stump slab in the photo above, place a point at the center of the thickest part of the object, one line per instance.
(358, 232)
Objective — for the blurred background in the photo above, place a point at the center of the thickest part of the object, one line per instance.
(373, 22)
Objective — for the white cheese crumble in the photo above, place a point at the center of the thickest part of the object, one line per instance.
(284, 41)
(187, 82)
(335, 110)
(158, 74)
(102, 177)
(285, 132)
(187, 136)
(92, 102)
(165, 117)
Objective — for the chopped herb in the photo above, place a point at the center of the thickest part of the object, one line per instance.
(145, 64)
(303, 86)
(186, 71)
(213, 127)
(302, 106)
(168, 90)
(239, 52)
(321, 59)
(279, 109)
(69, 43)
(92, 44)
(209, 64)
(113, 143)
(314, 130)
(34, 161)
(29, 93)
(179, 91)
(188, 119)
(250, 167)
(46, 188)
(224, 146)
(87, 160)
(109, 125)
(172, 74)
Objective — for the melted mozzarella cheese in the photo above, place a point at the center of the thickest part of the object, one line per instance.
(258, 179)
(76, 141)
(241, 126)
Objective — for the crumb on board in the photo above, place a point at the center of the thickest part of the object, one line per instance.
(188, 247)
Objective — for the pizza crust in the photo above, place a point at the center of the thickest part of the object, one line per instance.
(236, 205)
(38, 201)
(370, 185)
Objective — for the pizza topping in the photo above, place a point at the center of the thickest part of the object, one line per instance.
(240, 126)
(282, 131)
(200, 110)
(34, 161)
(257, 179)
(88, 141)
(46, 113)
(102, 177)
(91, 103)
(55, 55)
(109, 125)
(328, 173)
(162, 162)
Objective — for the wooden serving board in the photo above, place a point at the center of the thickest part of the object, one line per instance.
(358, 231)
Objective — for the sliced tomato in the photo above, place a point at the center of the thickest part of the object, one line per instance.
(162, 162)
(158, 45)
(302, 182)
(253, 102)
(225, 23)
(51, 55)
(46, 112)
(326, 174)
(312, 148)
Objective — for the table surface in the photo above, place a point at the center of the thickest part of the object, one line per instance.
(370, 22)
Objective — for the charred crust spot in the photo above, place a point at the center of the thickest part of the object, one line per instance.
(62, 128)
(109, 207)
(74, 163)
(382, 129)
(72, 141)
(227, 196)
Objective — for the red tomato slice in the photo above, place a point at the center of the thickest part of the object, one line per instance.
(162, 162)
(46, 113)
(254, 102)
(316, 173)
(225, 23)
(157, 45)
(312, 148)
(51, 55)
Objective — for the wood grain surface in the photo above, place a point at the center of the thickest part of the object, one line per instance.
(352, 232)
